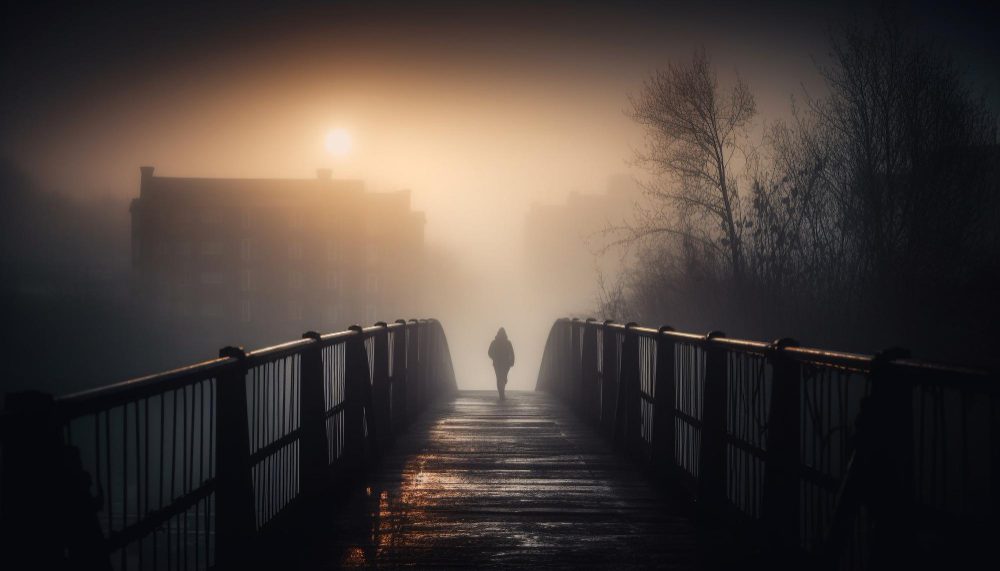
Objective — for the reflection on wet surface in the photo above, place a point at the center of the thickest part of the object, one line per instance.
(520, 483)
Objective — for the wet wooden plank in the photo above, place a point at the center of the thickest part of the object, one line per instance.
(523, 483)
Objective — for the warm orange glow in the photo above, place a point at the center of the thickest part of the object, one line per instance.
(338, 142)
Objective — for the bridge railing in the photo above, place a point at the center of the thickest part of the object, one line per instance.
(189, 468)
(809, 451)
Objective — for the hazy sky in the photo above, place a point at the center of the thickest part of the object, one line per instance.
(479, 109)
(472, 106)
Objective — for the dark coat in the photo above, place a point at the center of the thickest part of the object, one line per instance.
(501, 351)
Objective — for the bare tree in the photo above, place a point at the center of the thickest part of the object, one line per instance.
(696, 136)
(868, 219)
(905, 148)
(879, 194)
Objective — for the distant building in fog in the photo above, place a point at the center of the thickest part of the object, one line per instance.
(563, 244)
(274, 257)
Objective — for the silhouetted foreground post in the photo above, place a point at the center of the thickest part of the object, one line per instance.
(199, 466)
(234, 492)
(825, 458)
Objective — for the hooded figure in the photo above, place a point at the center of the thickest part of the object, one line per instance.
(502, 353)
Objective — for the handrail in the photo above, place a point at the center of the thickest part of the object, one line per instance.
(806, 355)
(194, 466)
(86, 401)
(786, 443)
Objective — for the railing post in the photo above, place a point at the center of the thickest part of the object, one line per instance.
(664, 397)
(559, 333)
(712, 457)
(589, 390)
(357, 399)
(48, 516)
(427, 348)
(547, 369)
(609, 378)
(413, 368)
(380, 382)
(399, 374)
(627, 422)
(424, 352)
(434, 360)
(573, 363)
(566, 377)
(235, 520)
(888, 466)
(313, 459)
(447, 368)
(781, 470)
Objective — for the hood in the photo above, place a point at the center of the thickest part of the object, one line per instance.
(502, 334)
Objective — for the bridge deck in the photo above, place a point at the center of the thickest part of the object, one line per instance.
(520, 483)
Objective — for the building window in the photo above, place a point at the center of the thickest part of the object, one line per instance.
(247, 219)
(295, 280)
(371, 285)
(333, 280)
(245, 311)
(295, 250)
(370, 314)
(246, 280)
(246, 249)
(372, 254)
(294, 311)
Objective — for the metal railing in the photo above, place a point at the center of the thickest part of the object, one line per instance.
(189, 468)
(825, 458)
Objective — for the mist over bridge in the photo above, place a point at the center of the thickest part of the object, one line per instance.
(355, 448)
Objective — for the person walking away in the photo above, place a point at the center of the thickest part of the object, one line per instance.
(502, 353)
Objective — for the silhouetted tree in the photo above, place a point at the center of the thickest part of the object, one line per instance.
(870, 218)
(696, 135)
(890, 179)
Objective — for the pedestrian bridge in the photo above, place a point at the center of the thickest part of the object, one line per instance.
(639, 448)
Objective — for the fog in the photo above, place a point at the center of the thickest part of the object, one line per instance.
(482, 113)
